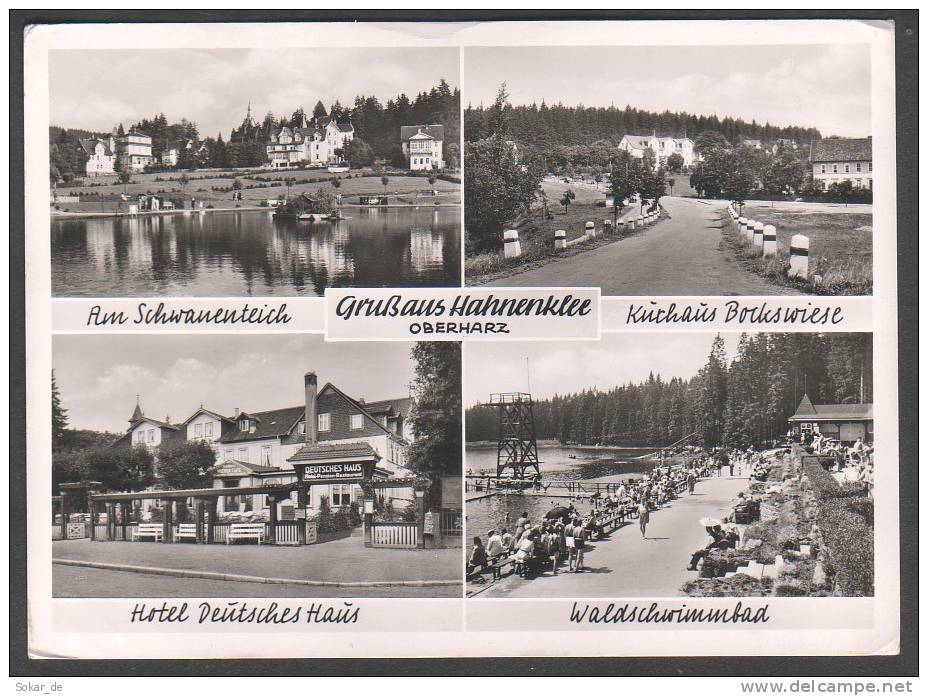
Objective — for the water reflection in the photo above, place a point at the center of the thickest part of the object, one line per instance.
(248, 253)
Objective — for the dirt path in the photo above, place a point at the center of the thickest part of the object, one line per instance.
(625, 565)
(677, 256)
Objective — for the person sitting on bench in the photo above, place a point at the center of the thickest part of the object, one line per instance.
(524, 553)
(494, 546)
(717, 538)
(478, 557)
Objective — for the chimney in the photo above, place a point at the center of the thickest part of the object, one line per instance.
(236, 411)
(312, 422)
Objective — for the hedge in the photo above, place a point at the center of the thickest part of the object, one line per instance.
(849, 540)
(845, 519)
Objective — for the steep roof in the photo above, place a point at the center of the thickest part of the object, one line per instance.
(347, 450)
(437, 131)
(640, 142)
(345, 127)
(254, 468)
(89, 145)
(160, 424)
(399, 406)
(210, 413)
(807, 411)
(276, 423)
(842, 150)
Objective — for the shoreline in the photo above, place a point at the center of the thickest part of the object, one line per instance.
(78, 215)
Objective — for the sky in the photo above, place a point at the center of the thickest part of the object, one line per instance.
(821, 86)
(570, 366)
(98, 376)
(97, 89)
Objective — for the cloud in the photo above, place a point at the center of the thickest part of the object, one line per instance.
(97, 89)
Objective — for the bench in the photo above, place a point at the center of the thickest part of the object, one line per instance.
(155, 531)
(249, 530)
(186, 530)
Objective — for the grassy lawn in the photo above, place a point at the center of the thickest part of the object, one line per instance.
(840, 245)
(210, 188)
(536, 234)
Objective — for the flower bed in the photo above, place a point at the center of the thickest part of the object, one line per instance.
(736, 586)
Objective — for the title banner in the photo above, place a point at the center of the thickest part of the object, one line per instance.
(787, 313)
(462, 314)
(173, 314)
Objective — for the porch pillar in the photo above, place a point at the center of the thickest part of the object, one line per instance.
(272, 508)
(167, 520)
(212, 507)
(125, 507)
(420, 518)
(199, 514)
(301, 495)
(367, 511)
(110, 521)
(64, 513)
(92, 509)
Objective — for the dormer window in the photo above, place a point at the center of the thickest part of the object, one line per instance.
(325, 422)
(301, 428)
(244, 425)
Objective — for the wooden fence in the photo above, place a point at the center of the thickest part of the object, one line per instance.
(398, 535)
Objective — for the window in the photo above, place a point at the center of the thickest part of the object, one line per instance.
(869, 166)
(266, 455)
(847, 168)
(324, 422)
(198, 430)
(823, 169)
(858, 166)
(140, 436)
(835, 168)
(230, 454)
(151, 435)
(243, 425)
(243, 454)
(341, 495)
(301, 428)
(357, 421)
(208, 429)
(231, 501)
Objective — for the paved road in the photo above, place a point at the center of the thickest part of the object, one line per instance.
(681, 255)
(625, 565)
(69, 581)
(341, 561)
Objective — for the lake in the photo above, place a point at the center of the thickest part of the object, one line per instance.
(235, 254)
(556, 463)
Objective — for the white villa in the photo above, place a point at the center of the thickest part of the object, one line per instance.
(309, 144)
(663, 147)
(422, 146)
(133, 152)
(842, 159)
(101, 155)
(257, 448)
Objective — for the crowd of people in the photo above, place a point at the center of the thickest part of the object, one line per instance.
(564, 532)
(852, 462)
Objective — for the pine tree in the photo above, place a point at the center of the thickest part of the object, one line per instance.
(436, 414)
(59, 414)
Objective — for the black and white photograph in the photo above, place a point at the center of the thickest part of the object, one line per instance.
(681, 465)
(255, 466)
(670, 170)
(233, 172)
(514, 342)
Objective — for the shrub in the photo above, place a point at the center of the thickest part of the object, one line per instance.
(849, 541)
(823, 484)
(736, 586)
